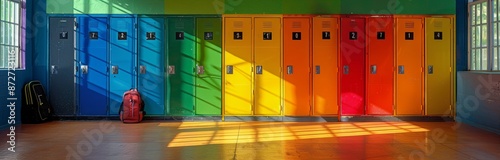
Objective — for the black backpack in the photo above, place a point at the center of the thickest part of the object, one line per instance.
(35, 106)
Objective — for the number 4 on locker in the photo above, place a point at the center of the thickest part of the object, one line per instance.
(438, 35)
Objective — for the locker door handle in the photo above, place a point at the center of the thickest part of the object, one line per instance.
(114, 69)
(401, 69)
(53, 69)
(289, 69)
(85, 69)
(171, 69)
(318, 69)
(259, 69)
(229, 69)
(346, 69)
(200, 70)
(373, 69)
(431, 69)
(142, 69)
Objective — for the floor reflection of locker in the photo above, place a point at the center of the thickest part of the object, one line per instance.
(439, 69)
(352, 53)
(297, 66)
(409, 63)
(238, 66)
(181, 64)
(93, 63)
(151, 64)
(208, 63)
(267, 54)
(380, 66)
(325, 69)
(62, 65)
(122, 59)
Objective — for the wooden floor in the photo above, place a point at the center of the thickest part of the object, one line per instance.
(99, 140)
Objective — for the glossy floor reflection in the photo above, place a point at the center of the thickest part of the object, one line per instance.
(251, 140)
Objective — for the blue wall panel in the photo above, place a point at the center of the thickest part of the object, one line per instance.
(123, 58)
(478, 96)
(151, 64)
(93, 55)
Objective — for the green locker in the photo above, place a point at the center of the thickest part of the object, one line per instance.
(208, 66)
(180, 66)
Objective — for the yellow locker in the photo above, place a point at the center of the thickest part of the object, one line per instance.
(238, 66)
(267, 66)
(439, 65)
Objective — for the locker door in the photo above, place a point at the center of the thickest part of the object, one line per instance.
(380, 66)
(238, 66)
(352, 52)
(62, 65)
(122, 60)
(296, 66)
(325, 70)
(208, 63)
(93, 64)
(181, 65)
(409, 63)
(267, 66)
(439, 75)
(151, 64)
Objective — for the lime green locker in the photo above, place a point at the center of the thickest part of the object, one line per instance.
(208, 97)
(180, 66)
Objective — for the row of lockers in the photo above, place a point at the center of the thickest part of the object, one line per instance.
(248, 65)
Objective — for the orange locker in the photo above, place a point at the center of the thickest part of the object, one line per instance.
(439, 40)
(238, 66)
(267, 58)
(325, 69)
(409, 63)
(297, 66)
(380, 65)
(352, 59)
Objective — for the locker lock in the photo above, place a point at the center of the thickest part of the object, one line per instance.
(53, 69)
(346, 69)
(85, 69)
(373, 69)
(431, 69)
(259, 69)
(401, 69)
(289, 69)
(200, 70)
(114, 69)
(142, 69)
(171, 69)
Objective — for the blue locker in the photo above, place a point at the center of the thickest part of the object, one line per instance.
(93, 63)
(122, 60)
(151, 64)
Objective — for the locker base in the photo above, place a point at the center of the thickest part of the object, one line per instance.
(279, 119)
(396, 119)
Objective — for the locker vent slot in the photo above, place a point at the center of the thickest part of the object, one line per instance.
(353, 23)
(93, 24)
(409, 25)
(179, 25)
(121, 24)
(267, 25)
(326, 24)
(438, 24)
(209, 25)
(297, 25)
(238, 24)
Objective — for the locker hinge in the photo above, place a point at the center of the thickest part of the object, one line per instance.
(76, 24)
(135, 25)
(450, 69)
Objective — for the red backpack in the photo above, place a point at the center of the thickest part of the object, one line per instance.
(132, 108)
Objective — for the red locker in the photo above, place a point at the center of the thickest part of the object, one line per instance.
(380, 65)
(352, 59)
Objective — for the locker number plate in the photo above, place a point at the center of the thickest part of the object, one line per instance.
(380, 35)
(408, 35)
(268, 36)
(63, 35)
(122, 35)
(326, 35)
(296, 36)
(238, 35)
(94, 35)
(353, 35)
(438, 35)
(179, 35)
(209, 35)
(150, 36)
